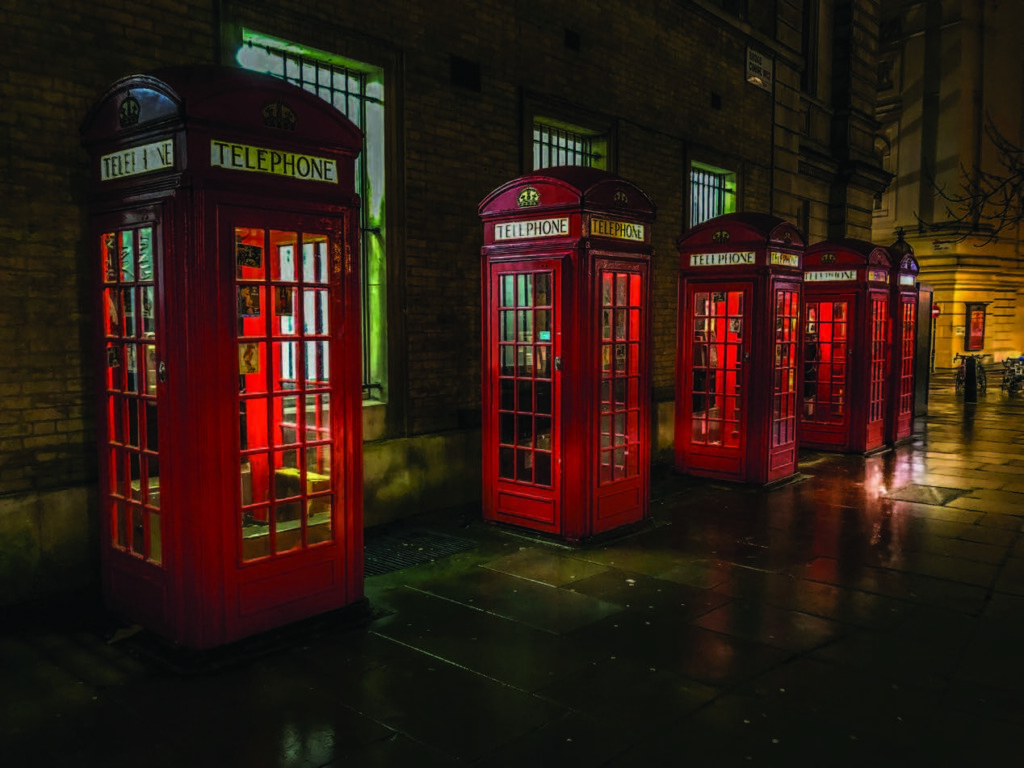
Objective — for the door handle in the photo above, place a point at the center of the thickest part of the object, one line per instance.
(161, 372)
(558, 362)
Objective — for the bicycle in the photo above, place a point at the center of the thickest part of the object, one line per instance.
(960, 382)
(1013, 374)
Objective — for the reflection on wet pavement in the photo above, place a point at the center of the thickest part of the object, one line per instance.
(871, 613)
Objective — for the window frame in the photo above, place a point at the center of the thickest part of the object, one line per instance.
(974, 342)
(730, 189)
(538, 110)
(372, 185)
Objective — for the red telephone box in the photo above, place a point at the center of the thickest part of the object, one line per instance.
(904, 302)
(739, 306)
(845, 346)
(224, 242)
(566, 352)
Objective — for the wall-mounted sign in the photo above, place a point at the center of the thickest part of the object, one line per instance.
(784, 259)
(759, 69)
(133, 161)
(831, 276)
(242, 157)
(731, 259)
(878, 275)
(521, 230)
(620, 230)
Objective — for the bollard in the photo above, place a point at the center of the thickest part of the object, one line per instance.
(971, 381)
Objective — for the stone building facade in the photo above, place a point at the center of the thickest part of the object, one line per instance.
(949, 71)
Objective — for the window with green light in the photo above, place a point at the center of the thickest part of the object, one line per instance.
(357, 90)
(556, 143)
(712, 192)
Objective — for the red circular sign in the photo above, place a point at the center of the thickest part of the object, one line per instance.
(936, 310)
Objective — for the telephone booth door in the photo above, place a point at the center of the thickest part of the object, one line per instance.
(715, 356)
(845, 346)
(525, 336)
(736, 388)
(566, 352)
(230, 438)
(904, 301)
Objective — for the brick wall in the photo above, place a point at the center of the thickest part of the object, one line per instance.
(58, 58)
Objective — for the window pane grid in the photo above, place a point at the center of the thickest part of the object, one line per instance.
(525, 366)
(879, 337)
(825, 350)
(708, 195)
(621, 364)
(787, 311)
(131, 383)
(284, 336)
(716, 368)
(907, 359)
(554, 146)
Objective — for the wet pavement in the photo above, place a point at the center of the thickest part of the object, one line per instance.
(869, 614)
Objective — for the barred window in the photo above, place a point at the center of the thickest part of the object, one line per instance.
(712, 193)
(556, 144)
(357, 90)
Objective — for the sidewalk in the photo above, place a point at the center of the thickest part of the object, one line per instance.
(870, 614)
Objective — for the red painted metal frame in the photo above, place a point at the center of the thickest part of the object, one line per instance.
(905, 305)
(761, 255)
(200, 595)
(576, 505)
(856, 272)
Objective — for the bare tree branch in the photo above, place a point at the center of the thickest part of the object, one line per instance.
(985, 204)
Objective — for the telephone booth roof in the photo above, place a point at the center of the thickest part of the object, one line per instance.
(746, 229)
(568, 188)
(741, 241)
(850, 252)
(226, 103)
(903, 259)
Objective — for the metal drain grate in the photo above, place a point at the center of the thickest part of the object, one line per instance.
(401, 549)
(926, 494)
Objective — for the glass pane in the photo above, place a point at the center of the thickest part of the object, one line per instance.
(314, 259)
(146, 255)
(506, 463)
(138, 532)
(318, 515)
(542, 474)
(255, 533)
(127, 257)
(251, 369)
(109, 257)
(130, 327)
(249, 262)
(155, 540)
(317, 367)
(507, 395)
(150, 371)
(148, 320)
(543, 391)
(250, 306)
(120, 524)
